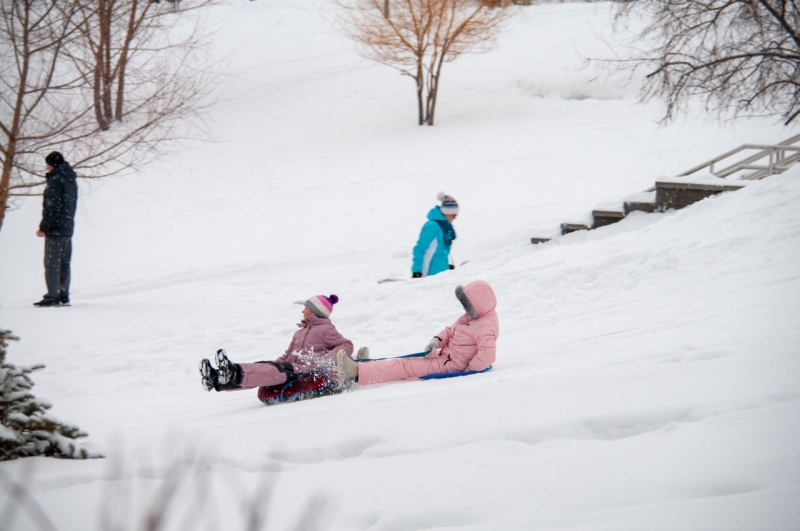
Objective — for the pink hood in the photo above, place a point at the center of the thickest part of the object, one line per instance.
(470, 341)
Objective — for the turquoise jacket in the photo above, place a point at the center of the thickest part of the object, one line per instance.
(432, 252)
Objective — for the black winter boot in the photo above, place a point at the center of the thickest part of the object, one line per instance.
(209, 378)
(229, 372)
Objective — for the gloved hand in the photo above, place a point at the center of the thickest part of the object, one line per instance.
(431, 347)
(452, 266)
(416, 274)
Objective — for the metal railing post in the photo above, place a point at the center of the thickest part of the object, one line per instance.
(771, 157)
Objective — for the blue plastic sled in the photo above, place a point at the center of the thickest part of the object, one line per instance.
(432, 376)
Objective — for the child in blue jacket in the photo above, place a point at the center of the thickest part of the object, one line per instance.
(432, 252)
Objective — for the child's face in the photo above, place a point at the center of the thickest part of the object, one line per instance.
(306, 313)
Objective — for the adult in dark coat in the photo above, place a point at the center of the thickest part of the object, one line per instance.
(57, 226)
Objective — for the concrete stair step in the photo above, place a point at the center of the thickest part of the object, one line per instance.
(566, 228)
(680, 194)
(601, 218)
(640, 206)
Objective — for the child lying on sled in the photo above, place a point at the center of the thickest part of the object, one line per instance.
(467, 345)
(315, 346)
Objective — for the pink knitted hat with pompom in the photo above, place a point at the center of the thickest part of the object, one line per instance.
(321, 305)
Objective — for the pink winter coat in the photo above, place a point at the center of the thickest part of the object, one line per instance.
(470, 341)
(316, 340)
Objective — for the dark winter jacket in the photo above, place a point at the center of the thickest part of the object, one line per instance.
(59, 203)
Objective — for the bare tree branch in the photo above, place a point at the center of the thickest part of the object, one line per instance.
(420, 36)
(740, 57)
(112, 84)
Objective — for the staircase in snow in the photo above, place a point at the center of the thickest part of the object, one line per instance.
(746, 163)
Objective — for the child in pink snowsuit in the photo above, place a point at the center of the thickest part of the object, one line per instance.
(315, 345)
(467, 345)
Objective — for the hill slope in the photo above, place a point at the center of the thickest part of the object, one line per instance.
(647, 375)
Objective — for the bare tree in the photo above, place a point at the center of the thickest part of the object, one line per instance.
(32, 37)
(419, 36)
(123, 35)
(741, 57)
(59, 63)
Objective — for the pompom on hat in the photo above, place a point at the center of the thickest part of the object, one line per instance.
(321, 306)
(449, 204)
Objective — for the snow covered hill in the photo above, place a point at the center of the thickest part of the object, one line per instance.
(648, 374)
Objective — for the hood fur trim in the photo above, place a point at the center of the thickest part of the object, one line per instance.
(466, 303)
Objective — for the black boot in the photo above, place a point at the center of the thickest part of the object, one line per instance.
(229, 372)
(209, 378)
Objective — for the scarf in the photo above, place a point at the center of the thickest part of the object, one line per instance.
(448, 231)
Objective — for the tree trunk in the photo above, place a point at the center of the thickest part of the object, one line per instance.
(420, 79)
(98, 97)
(11, 148)
(103, 79)
(120, 107)
(5, 181)
(434, 85)
(123, 59)
(13, 132)
(105, 38)
(430, 103)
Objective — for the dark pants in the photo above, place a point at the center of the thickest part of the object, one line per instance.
(57, 257)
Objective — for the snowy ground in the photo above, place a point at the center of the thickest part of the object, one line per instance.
(647, 377)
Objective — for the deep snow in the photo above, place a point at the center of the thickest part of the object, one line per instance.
(647, 373)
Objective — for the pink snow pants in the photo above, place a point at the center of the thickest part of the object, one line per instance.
(266, 374)
(379, 371)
